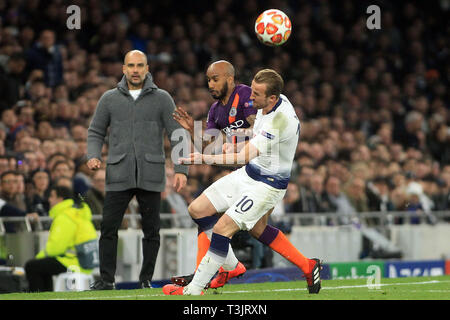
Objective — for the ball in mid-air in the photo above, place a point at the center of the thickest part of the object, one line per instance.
(273, 27)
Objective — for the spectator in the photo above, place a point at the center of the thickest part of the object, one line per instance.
(20, 193)
(30, 162)
(10, 190)
(11, 81)
(442, 196)
(317, 202)
(337, 200)
(48, 148)
(414, 204)
(438, 142)
(61, 169)
(56, 157)
(82, 177)
(9, 119)
(37, 201)
(302, 193)
(436, 190)
(95, 196)
(413, 135)
(415, 189)
(7, 210)
(46, 55)
(63, 181)
(173, 202)
(4, 164)
(378, 195)
(45, 131)
(291, 200)
(356, 194)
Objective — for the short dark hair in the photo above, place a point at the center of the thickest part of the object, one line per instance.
(273, 81)
(13, 172)
(62, 192)
(59, 162)
(56, 154)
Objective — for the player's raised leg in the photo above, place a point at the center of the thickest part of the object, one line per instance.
(277, 241)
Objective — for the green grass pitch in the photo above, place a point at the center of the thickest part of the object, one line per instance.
(413, 288)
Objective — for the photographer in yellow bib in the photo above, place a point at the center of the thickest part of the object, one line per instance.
(72, 241)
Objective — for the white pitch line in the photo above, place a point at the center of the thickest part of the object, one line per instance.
(341, 287)
(430, 291)
(112, 297)
(274, 290)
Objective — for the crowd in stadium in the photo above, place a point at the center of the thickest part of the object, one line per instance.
(374, 104)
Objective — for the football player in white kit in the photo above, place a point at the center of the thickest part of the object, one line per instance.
(248, 195)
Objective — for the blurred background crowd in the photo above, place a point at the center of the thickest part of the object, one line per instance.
(374, 104)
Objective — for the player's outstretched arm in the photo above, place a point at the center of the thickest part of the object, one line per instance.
(227, 159)
(229, 147)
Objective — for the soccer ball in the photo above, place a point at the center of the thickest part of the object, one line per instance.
(273, 27)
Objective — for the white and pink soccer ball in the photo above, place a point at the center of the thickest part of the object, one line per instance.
(273, 27)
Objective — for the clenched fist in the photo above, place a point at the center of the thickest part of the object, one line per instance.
(94, 164)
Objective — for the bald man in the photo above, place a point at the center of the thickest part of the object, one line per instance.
(231, 113)
(136, 113)
(135, 68)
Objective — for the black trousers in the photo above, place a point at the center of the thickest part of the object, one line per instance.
(115, 204)
(39, 273)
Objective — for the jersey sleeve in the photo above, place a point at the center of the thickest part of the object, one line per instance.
(247, 107)
(249, 110)
(210, 120)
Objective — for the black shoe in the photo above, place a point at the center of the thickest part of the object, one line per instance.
(182, 281)
(146, 284)
(313, 278)
(102, 285)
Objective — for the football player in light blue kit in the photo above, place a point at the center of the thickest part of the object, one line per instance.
(248, 194)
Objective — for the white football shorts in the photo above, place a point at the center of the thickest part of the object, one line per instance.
(242, 198)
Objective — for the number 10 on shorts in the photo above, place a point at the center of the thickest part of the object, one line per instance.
(243, 205)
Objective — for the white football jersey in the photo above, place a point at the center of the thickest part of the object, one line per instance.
(275, 135)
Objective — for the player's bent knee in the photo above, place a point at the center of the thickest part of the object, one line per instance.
(196, 210)
(256, 232)
(226, 226)
(201, 207)
(192, 209)
(261, 225)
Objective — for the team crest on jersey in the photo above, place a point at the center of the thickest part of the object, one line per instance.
(233, 112)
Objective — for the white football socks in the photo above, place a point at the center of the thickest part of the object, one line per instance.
(231, 260)
(207, 268)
